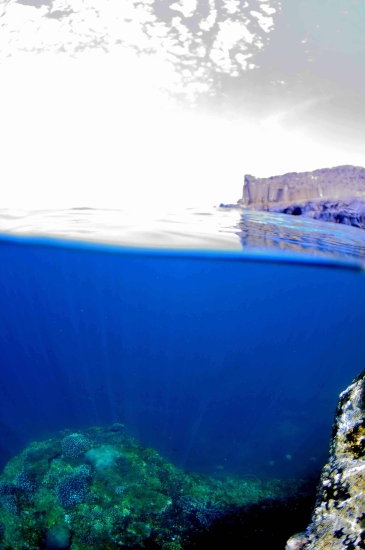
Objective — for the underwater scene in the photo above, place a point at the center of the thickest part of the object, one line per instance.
(182, 364)
(154, 397)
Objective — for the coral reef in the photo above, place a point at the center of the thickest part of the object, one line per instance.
(24, 482)
(119, 494)
(8, 497)
(74, 445)
(72, 489)
(338, 521)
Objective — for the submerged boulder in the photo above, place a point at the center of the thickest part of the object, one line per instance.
(102, 457)
(338, 520)
(58, 537)
(101, 489)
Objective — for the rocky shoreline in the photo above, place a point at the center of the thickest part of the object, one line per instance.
(330, 194)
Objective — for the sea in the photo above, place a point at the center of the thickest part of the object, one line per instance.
(219, 337)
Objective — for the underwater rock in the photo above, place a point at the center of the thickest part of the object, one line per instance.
(128, 497)
(296, 542)
(58, 537)
(329, 194)
(338, 520)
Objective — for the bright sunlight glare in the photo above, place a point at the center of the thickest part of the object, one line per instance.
(84, 133)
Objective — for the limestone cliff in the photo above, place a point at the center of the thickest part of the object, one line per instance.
(329, 194)
(327, 183)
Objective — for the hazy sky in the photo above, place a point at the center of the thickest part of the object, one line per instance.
(118, 102)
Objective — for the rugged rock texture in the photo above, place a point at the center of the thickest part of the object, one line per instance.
(330, 194)
(326, 183)
(338, 521)
(350, 212)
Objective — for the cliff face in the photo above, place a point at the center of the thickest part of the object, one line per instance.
(330, 194)
(338, 520)
(324, 184)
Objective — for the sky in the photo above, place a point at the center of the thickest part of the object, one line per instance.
(162, 104)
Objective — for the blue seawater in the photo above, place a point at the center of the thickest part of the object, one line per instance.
(227, 362)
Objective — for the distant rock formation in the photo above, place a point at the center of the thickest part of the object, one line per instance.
(342, 182)
(338, 520)
(329, 194)
(351, 212)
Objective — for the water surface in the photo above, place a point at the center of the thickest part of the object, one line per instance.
(226, 361)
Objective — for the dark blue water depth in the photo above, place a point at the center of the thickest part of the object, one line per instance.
(225, 366)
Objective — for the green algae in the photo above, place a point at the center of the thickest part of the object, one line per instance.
(133, 499)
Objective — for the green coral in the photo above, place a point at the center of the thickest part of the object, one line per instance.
(133, 495)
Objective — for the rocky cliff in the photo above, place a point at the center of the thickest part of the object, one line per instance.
(329, 194)
(336, 183)
(338, 520)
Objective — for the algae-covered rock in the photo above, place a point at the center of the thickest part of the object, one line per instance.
(338, 521)
(101, 489)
